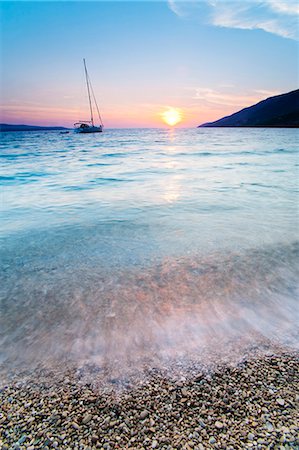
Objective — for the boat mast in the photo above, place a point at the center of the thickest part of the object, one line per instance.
(95, 101)
(90, 106)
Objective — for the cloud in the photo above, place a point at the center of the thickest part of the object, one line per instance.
(227, 99)
(176, 7)
(278, 17)
(287, 7)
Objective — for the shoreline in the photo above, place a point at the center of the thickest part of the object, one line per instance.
(251, 405)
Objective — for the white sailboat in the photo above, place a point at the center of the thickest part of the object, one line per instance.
(88, 126)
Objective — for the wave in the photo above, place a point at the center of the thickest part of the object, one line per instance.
(213, 308)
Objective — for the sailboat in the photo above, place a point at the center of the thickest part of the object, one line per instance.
(88, 126)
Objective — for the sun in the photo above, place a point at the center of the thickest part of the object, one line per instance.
(171, 116)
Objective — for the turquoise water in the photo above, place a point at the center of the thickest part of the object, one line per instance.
(147, 243)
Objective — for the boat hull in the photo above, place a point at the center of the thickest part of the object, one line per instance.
(89, 130)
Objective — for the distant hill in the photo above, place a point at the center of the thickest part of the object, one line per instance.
(281, 111)
(10, 127)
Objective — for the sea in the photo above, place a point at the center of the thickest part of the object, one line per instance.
(151, 247)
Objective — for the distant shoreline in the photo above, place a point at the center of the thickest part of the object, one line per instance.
(25, 128)
(248, 126)
(4, 127)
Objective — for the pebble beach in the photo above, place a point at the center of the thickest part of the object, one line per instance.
(253, 404)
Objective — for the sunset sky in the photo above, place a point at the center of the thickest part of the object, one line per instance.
(206, 59)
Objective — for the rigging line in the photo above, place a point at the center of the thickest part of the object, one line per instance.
(95, 100)
(88, 82)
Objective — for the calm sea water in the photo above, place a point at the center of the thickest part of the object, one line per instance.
(149, 243)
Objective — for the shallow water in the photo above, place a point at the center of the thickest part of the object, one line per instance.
(148, 245)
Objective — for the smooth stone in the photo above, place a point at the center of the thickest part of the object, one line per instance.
(152, 422)
(87, 418)
(22, 439)
(269, 426)
(143, 414)
(250, 436)
(185, 392)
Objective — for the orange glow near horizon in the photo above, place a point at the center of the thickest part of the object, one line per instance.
(172, 116)
(118, 115)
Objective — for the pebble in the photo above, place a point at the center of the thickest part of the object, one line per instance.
(94, 438)
(269, 426)
(143, 414)
(22, 439)
(218, 424)
(87, 418)
(152, 422)
(185, 392)
(157, 412)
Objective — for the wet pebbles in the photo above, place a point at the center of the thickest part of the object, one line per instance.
(252, 405)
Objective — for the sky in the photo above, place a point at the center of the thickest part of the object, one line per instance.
(204, 59)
